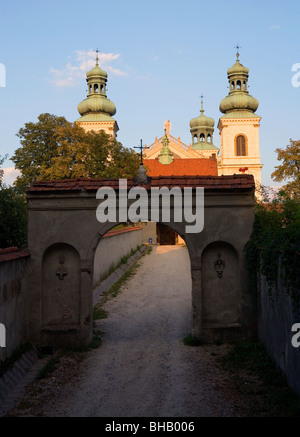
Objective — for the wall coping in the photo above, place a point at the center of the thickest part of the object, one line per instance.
(122, 231)
(12, 253)
(236, 183)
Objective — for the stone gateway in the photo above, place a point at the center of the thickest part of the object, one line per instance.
(63, 234)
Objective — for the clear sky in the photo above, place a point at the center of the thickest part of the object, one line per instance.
(160, 56)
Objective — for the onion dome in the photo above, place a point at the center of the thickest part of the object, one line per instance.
(95, 104)
(239, 103)
(202, 121)
(202, 129)
(96, 71)
(96, 107)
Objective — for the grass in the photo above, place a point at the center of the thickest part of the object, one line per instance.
(256, 376)
(116, 287)
(114, 267)
(48, 368)
(191, 340)
(52, 363)
(9, 362)
(99, 313)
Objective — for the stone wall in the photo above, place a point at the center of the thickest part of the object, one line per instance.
(13, 264)
(111, 249)
(275, 320)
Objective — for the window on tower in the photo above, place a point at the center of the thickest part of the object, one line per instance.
(238, 85)
(202, 138)
(240, 146)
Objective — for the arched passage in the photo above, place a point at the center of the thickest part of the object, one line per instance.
(63, 234)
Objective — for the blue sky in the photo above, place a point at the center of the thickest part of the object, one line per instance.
(160, 57)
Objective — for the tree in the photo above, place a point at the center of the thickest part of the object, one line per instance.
(289, 169)
(1, 170)
(38, 146)
(54, 148)
(13, 215)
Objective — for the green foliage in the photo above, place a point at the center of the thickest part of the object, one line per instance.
(47, 369)
(289, 169)
(258, 378)
(38, 147)
(16, 354)
(274, 246)
(191, 340)
(99, 313)
(13, 217)
(1, 171)
(54, 148)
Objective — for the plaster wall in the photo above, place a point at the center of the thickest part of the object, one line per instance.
(277, 314)
(112, 248)
(12, 304)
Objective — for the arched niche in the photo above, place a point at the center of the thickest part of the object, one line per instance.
(61, 287)
(220, 285)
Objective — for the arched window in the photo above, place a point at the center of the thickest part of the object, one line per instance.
(232, 85)
(240, 146)
(96, 88)
(195, 138)
(101, 89)
(238, 85)
(209, 138)
(244, 85)
(202, 138)
(91, 88)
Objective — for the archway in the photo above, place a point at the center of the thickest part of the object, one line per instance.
(63, 229)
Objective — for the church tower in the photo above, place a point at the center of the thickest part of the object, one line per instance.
(96, 110)
(239, 127)
(202, 130)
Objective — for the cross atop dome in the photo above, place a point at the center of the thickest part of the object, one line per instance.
(238, 47)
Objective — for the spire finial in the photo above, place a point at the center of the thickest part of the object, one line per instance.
(97, 58)
(202, 110)
(237, 52)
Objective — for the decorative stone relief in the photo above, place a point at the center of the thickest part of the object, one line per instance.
(219, 266)
(61, 286)
(61, 272)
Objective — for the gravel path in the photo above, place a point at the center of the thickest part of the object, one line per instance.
(142, 368)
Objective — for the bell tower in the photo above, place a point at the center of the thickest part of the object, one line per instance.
(96, 110)
(239, 127)
(202, 130)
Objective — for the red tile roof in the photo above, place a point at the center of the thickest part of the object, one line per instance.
(122, 231)
(11, 253)
(181, 167)
(211, 183)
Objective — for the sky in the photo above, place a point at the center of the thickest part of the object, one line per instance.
(160, 56)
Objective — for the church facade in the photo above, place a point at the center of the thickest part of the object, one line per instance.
(238, 127)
